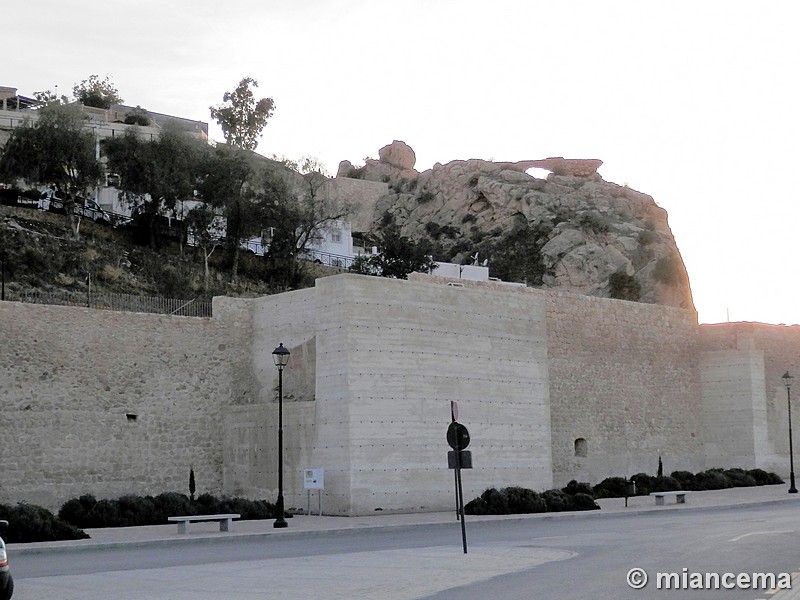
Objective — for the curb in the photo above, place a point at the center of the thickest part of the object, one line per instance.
(80, 546)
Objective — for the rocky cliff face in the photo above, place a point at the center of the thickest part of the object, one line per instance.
(572, 231)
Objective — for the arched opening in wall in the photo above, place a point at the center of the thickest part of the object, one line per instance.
(581, 447)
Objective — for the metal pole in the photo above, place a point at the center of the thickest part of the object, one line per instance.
(792, 488)
(280, 521)
(3, 268)
(460, 492)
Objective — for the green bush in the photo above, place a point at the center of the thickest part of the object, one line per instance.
(522, 500)
(664, 484)
(644, 483)
(584, 502)
(740, 478)
(667, 270)
(557, 501)
(764, 478)
(624, 287)
(518, 500)
(685, 478)
(31, 523)
(131, 511)
(713, 479)
(611, 487)
(573, 487)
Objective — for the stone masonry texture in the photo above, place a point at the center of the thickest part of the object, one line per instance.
(553, 386)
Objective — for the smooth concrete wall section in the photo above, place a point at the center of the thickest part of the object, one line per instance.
(734, 407)
(414, 347)
(623, 377)
(409, 349)
(780, 347)
(390, 355)
(109, 403)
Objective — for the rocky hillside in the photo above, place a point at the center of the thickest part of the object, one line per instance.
(572, 231)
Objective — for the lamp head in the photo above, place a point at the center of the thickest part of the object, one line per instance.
(787, 380)
(281, 356)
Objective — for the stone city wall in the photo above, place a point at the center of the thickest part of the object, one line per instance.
(389, 356)
(111, 403)
(623, 377)
(743, 364)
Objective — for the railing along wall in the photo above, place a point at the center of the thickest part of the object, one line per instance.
(108, 301)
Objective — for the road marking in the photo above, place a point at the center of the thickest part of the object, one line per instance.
(740, 537)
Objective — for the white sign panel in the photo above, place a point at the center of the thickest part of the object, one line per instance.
(314, 479)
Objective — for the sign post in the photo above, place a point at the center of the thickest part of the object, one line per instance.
(314, 479)
(458, 458)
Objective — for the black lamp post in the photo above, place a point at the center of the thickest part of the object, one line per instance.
(281, 357)
(787, 381)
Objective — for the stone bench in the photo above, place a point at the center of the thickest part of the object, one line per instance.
(225, 521)
(680, 497)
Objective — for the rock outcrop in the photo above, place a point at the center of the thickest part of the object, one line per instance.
(571, 231)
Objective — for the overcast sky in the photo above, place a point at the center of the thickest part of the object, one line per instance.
(693, 102)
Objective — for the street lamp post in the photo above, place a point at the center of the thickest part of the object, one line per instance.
(787, 381)
(281, 357)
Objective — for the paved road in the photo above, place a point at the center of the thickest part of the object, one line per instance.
(583, 557)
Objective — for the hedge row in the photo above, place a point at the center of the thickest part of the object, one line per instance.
(581, 496)
(31, 523)
(712, 479)
(518, 500)
(133, 511)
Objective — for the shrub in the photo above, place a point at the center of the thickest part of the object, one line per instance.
(584, 502)
(644, 483)
(557, 501)
(594, 222)
(522, 500)
(667, 270)
(647, 237)
(31, 523)
(764, 478)
(490, 502)
(740, 478)
(129, 511)
(664, 484)
(573, 487)
(685, 478)
(425, 197)
(713, 479)
(624, 287)
(611, 487)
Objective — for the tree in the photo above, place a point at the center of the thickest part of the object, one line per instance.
(398, 255)
(137, 116)
(50, 97)
(96, 92)
(57, 151)
(242, 118)
(227, 183)
(200, 226)
(298, 214)
(156, 174)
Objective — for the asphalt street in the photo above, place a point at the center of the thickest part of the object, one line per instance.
(576, 557)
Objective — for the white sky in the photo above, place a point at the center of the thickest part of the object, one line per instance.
(693, 102)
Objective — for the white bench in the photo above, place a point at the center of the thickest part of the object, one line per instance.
(225, 521)
(680, 497)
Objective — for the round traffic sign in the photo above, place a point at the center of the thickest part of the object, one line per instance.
(457, 436)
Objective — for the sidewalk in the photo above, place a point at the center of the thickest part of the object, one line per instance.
(309, 524)
(404, 574)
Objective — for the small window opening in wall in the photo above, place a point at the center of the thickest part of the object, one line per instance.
(131, 417)
(581, 447)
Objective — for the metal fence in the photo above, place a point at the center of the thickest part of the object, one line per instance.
(122, 302)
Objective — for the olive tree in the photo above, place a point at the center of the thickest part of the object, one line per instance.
(54, 150)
